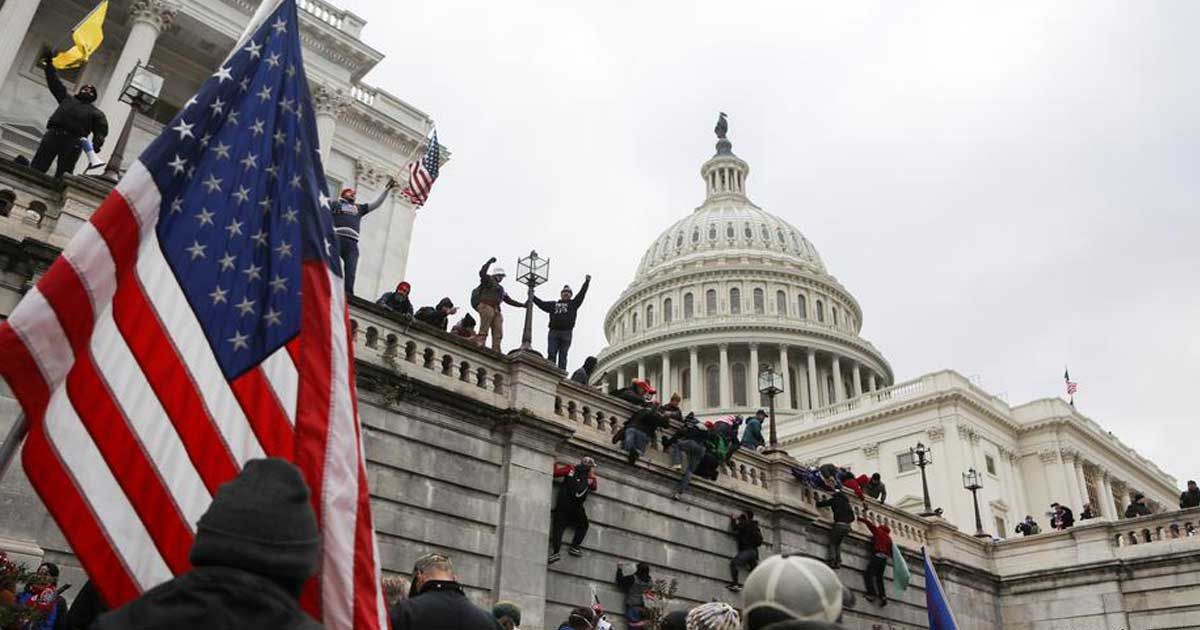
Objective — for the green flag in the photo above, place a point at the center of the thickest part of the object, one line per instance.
(900, 574)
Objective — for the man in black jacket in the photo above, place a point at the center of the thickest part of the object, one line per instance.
(255, 547)
(1063, 517)
(1189, 498)
(1137, 507)
(437, 316)
(347, 221)
(577, 482)
(397, 301)
(76, 117)
(437, 601)
(749, 537)
(562, 321)
(843, 517)
(583, 375)
(687, 450)
(640, 431)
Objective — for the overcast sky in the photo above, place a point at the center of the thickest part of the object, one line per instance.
(1004, 188)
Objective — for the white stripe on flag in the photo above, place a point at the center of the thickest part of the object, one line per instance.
(36, 324)
(89, 256)
(141, 194)
(281, 373)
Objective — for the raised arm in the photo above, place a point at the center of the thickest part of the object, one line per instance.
(52, 81)
(378, 201)
(587, 281)
(483, 271)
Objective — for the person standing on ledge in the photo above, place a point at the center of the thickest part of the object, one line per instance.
(562, 321)
(75, 119)
(347, 221)
(486, 299)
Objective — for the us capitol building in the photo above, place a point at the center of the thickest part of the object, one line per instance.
(731, 289)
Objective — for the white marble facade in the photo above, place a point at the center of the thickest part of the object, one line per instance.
(366, 134)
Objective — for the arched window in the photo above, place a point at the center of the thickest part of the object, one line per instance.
(689, 306)
(39, 209)
(649, 316)
(621, 325)
(739, 384)
(735, 301)
(779, 235)
(820, 311)
(759, 302)
(7, 198)
(831, 398)
(833, 311)
(633, 319)
(679, 241)
(710, 302)
(712, 387)
(795, 397)
(729, 230)
(685, 383)
(766, 234)
(667, 311)
(748, 232)
(712, 232)
(696, 235)
(781, 303)
(802, 307)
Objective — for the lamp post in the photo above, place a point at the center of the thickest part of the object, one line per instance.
(770, 384)
(973, 482)
(923, 456)
(532, 271)
(140, 93)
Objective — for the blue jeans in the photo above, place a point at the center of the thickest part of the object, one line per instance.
(557, 344)
(348, 250)
(636, 440)
(695, 452)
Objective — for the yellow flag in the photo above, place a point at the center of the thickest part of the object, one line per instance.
(87, 37)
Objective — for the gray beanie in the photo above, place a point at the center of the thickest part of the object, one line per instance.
(791, 588)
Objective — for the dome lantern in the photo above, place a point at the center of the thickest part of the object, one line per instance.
(724, 174)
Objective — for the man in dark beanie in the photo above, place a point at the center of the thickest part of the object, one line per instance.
(75, 118)
(562, 321)
(255, 547)
(436, 600)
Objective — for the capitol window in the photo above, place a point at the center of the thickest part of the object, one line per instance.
(735, 301)
(781, 303)
(649, 315)
(905, 463)
(667, 314)
(710, 302)
(833, 311)
(802, 307)
(739, 384)
(748, 232)
(820, 311)
(779, 235)
(689, 306)
(712, 232)
(766, 234)
(729, 230)
(696, 235)
(633, 320)
(990, 464)
(678, 241)
(712, 385)
(759, 302)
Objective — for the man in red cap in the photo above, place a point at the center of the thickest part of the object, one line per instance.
(397, 301)
(643, 424)
(347, 220)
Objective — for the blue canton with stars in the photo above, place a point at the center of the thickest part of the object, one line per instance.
(243, 196)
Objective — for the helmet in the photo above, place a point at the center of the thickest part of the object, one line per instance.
(498, 271)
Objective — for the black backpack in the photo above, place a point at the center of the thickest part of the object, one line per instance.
(475, 299)
(755, 534)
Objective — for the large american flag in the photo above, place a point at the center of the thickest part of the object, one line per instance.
(422, 174)
(195, 322)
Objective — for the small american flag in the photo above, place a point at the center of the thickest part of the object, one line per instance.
(195, 322)
(1072, 386)
(422, 174)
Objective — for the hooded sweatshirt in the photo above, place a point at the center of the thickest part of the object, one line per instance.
(635, 587)
(577, 482)
(881, 537)
(75, 116)
(347, 215)
(563, 312)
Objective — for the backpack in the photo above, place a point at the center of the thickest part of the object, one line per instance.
(475, 299)
(755, 534)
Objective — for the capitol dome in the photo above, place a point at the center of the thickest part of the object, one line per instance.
(729, 290)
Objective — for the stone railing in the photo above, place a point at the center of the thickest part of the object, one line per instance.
(1157, 528)
(323, 11)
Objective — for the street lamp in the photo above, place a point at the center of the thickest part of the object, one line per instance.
(770, 384)
(140, 93)
(532, 271)
(973, 482)
(923, 456)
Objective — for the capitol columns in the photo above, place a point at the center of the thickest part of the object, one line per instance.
(1107, 504)
(814, 394)
(754, 369)
(328, 104)
(15, 18)
(665, 379)
(1068, 473)
(858, 390)
(839, 392)
(641, 365)
(1081, 478)
(785, 398)
(149, 18)
(723, 389)
(871, 381)
(697, 399)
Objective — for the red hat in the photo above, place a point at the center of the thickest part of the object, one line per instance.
(404, 286)
(346, 190)
(644, 385)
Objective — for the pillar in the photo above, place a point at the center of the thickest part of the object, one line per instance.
(1066, 469)
(785, 398)
(839, 393)
(148, 18)
(814, 393)
(1081, 479)
(858, 390)
(871, 381)
(328, 104)
(620, 377)
(723, 389)
(1107, 507)
(15, 18)
(754, 374)
(641, 364)
(697, 397)
(666, 376)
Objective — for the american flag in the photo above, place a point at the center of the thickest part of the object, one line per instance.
(422, 174)
(1072, 386)
(195, 322)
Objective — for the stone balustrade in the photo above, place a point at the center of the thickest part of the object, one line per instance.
(1157, 528)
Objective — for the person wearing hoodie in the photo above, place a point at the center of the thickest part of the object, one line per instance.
(1063, 517)
(255, 546)
(347, 221)
(75, 118)
(643, 424)
(562, 321)
(1189, 498)
(437, 316)
(843, 518)
(752, 436)
(881, 550)
(1137, 507)
(465, 327)
(397, 301)
(793, 593)
(583, 375)
(577, 482)
(876, 489)
(508, 615)
(579, 619)
(436, 600)
(749, 538)
(688, 441)
(634, 587)
(486, 299)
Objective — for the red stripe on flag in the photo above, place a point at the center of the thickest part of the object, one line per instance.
(65, 293)
(314, 397)
(265, 413)
(21, 372)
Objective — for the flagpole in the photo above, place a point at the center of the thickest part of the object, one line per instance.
(16, 435)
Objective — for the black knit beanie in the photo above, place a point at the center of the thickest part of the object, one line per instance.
(261, 522)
